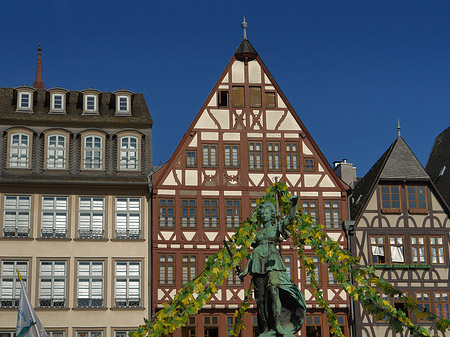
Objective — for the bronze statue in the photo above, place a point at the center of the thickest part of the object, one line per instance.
(280, 304)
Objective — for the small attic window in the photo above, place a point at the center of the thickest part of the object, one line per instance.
(223, 98)
(90, 104)
(123, 105)
(25, 101)
(270, 100)
(57, 103)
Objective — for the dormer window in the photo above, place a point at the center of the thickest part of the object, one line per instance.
(25, 99)
(123, 102)
(91, 102)
(58, 100)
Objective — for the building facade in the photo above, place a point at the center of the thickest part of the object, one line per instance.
(74, 199)
(245, 136)
(402, 229)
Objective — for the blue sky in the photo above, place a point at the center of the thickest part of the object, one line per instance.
(350, 69)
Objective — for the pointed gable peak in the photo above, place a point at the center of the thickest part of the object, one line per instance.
(245, 49)
(402, 163)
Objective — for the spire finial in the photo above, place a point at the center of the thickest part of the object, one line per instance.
(398, 128)
(244, 27)
(38, 84)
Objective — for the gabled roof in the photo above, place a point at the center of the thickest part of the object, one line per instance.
(440, 157)
(397, 163)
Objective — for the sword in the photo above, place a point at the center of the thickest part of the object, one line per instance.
(238, 268)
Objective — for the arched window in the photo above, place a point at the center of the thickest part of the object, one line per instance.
(19, 150)
(129, 153)
(56, 152)
(93, 151)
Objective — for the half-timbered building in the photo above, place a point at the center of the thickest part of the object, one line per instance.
(74, 212)
(402, 229)
(245, 136)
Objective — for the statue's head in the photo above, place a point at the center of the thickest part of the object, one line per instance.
(267, 206)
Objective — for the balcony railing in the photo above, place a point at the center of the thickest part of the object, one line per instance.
(91, 234)
(128, 234)
(90, 302)
(128, 302)
(9, 303)
(13, 232)
(54, 233)
(52, 302)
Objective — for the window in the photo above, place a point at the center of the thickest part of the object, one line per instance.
(57, 103)
(274, 155)
(255, 332)
(331, 280)
(128, 218)
(166, 269)
(54, 217)
(209, 155)
(166, 213)
(309, 207)
(377, 249)
(231, 320)
(441, 304)
(19, 150)
(16, 220)
(56, 152)
(316, 271)
(90, 104)
(189, 329)
(127, 289)
(52, 284)
(231, 155)
(10, 284)
(223, 98)
(25, 101)
(332, 214)
(390, 197)
(424, 300)
(4, 333)
(238, 97)
(417, 197)
(189, 268)
(309, 164)
(122, 333)
(95, 333)
(211, 326)
(56, 333)
(123, 104)
(270, 100)
(397, 250)
(91, 218)
(287, 259)
(210, 214)
(255, 155)
(188, 213)
(292, 156)
(341, 322)
(418, 249)
(313, 326)
(233, 212)
(437, 249)
(93, 150)
(90, 284)
(255, 97)
(191, 160)
(399, 304)
(129, 153)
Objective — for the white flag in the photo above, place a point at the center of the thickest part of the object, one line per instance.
(28, 324)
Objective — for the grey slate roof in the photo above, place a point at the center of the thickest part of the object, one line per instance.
(440, 157)
(40, 116)
(397, 163)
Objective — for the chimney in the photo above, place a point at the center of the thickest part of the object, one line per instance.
(346, 171)
(38, 84)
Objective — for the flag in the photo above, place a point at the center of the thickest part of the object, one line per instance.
(28, 324)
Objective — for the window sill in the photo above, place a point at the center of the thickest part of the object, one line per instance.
(54, 239)
(90, 239)
(16, 238)
(391, 211)
(130, 308)
(128, 240)
(53, 309)
(89, 309)
(418, 211)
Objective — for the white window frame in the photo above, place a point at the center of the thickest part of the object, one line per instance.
(88, 97)
(54, 278)
(19, 154)
(90, 284)
(54, 217)
(57, 153)
(120, 108)
(93, 153)
(128, 218)
(53, 106)
(9, 282)
(91, 217)
(27, 107)
(16, 216)
(127, 284)
(129, 156)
